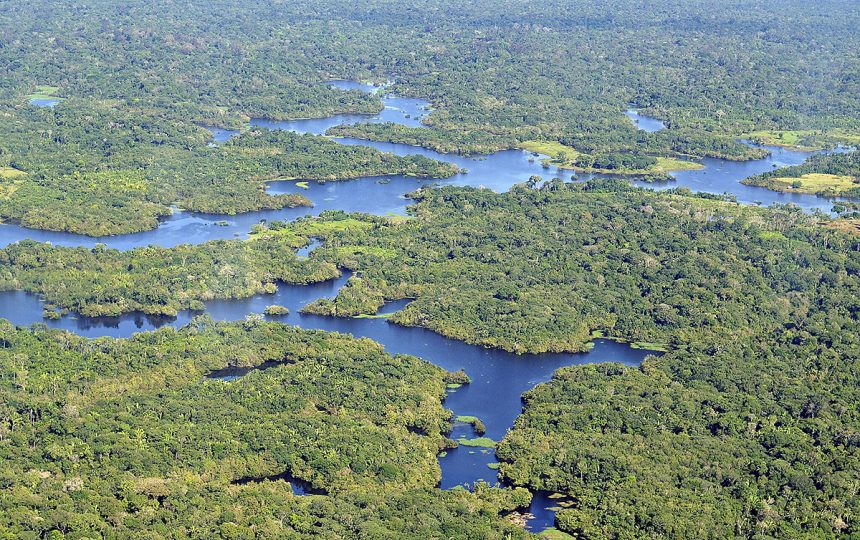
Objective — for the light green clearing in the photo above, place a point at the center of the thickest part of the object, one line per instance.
(787, 138)
(554, 534)
(481, 442)
(11, 172)
(548, 148)
(45, 92)
(771, 235)
(794, 138)
(374, 316)
(649, 345)
(813, 183)
(453, 386)
(467, 419)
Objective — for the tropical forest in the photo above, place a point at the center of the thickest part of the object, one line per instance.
(567, 270)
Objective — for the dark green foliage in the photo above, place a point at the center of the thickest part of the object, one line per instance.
(106, 170)
(459, 141)
(128, 438)
(156, 280)
(539, 270)
(136, 77)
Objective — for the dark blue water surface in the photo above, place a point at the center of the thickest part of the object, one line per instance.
(498, 378)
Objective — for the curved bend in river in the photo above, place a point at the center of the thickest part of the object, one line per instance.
(498, 171)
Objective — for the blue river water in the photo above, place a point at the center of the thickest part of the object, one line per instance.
(498, 171)
(498, 378)
(645, 123)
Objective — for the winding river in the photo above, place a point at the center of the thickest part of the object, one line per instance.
(498, 378)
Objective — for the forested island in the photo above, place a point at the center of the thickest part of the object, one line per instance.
(726, 407)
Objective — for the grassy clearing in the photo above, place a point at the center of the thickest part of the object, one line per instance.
(478, 442)
(806, 140)
(771, 235)
(548, 148)
(813, 184)
(45, 92)
(9, 173)
(784, 138)
(10, 180)
(554, 534)
(850, 226)
(667, 164)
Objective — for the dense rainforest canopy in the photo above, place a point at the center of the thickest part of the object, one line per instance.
(751, 415)
(135, 78)
(747, 427)
(748, 424)
(129, 438)
(105, 170)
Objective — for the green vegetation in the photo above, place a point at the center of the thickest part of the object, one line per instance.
(744, 423)
(746, 427)
(474, 421)
(479, 442)
(554, 534)
(804, 139)
(599, 256)
(458, 141)
(495, 77)
(157, 280)
(376, 316)
(827, 175)
(45, 92)
(276, 311)
(128, 438)
(812, 183)
(128, 178)
(565, 157)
